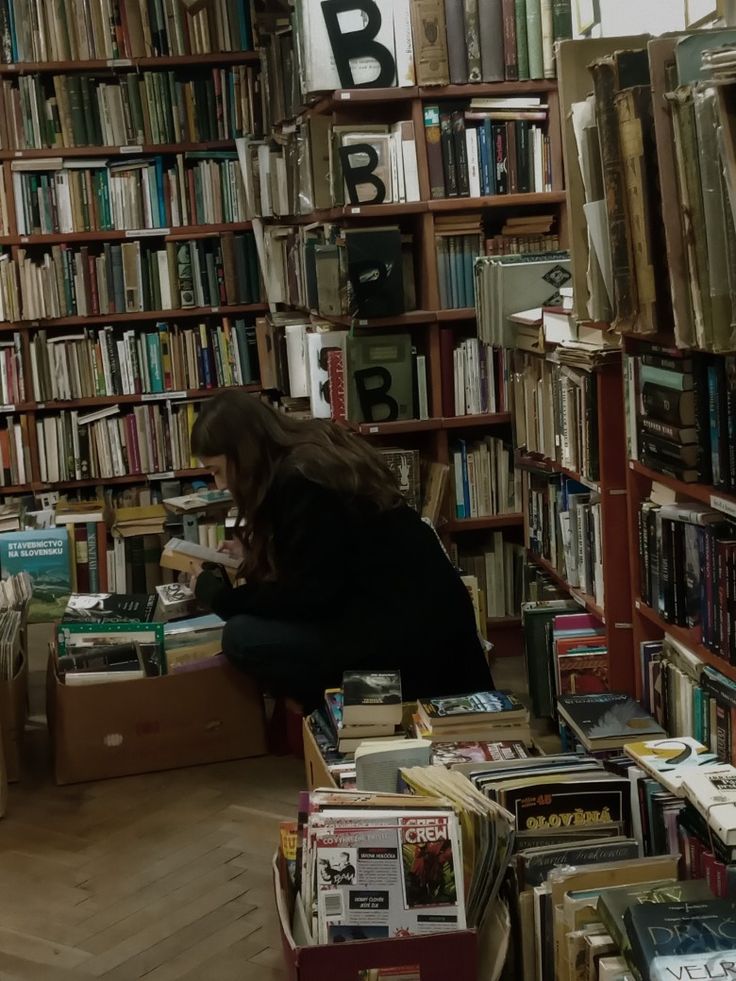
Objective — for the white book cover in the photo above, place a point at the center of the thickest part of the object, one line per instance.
(409, 152)
(422, 386)
(320, 68)
(404, 44)
(671, 760)
(264, 174)
(296, 356)
(713, 792)
(471, 142)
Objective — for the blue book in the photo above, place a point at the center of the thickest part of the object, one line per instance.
(466, 482)
(45, 555)
(714, 417)
(491, 145)
(155, 370)
(483, 161)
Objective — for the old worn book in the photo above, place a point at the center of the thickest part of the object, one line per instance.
(472, 39)
(606, 84)
(183, 556)
(371, 697)
(490, 13)
(430, 42)
(534, 38)
(636, 131)
(607, 720)
(456, 48)
(691, 210)
(613, 902)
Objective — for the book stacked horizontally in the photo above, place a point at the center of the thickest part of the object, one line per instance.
(490, 716)
(605, 721)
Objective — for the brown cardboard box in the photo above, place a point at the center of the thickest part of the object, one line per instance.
(13, 710)
(316, 769)
(434, 958)
(125, 727)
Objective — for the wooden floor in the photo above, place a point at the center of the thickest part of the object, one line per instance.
(161, 876)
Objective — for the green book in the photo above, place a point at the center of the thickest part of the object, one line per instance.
(148, 637)
(613, 902)
(522, 50)
(534, 38)
(153, 355)
(562, 19)
(136, 107)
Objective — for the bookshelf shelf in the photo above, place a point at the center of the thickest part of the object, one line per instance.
(395, 428)
(115, 151)
(486, 90)
(168, 234)
(498, 201)
(543, 464)
(143, 315)
(489, 521)
(178, 395)
(583, 599)
(696, 492)
(403, 320)
(452, 316)
(131, 478)
(689, 638)
(503, 623)
(214, 59)
(467, 422)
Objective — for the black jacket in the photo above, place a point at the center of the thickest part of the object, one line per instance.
(378, 584)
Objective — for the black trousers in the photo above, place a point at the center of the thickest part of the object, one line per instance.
(289, 659)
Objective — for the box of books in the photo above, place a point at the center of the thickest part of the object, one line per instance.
(207, 713)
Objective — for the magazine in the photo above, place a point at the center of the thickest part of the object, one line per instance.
(387, 874)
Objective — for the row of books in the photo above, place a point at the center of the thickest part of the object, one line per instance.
(150, 439)
(172, 358)
(523, 234)
(129, 109)
(478, 383)
(80, 195)
(425, 43)
(124, 29)
(556, 413)
(491, 148)
(686, 557)
(484, 478)
(498, 569)
(458, 242)
(564, 529)
(129, 277)
(323, 165)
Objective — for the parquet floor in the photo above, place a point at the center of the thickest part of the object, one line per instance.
(162, 876)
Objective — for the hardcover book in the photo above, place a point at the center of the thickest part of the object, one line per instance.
(607, 720)
(478, 707)
(682, 940)
(670, 760)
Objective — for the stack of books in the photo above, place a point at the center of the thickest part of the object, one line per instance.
(579, 654)
(368, 706)
(520, 234)
(489, 716)
(459, 241)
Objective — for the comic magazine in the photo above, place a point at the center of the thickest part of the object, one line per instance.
(387, 875)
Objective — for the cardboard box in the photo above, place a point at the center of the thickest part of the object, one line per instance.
(435, 958)
(314, 764)
(126, 727)
(13, 713)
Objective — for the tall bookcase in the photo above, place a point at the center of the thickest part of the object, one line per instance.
(434, 436)
(40, 244)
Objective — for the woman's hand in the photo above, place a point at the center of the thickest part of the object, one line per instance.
(232, 547)
(194, 575)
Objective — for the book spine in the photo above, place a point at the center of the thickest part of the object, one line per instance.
(432, 135)
(534, 38)
(511, 63)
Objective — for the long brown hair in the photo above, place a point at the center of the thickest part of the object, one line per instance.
(258, 443)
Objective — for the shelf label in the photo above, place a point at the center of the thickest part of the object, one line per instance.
(24, 238)
(130, 149)
(169, 475)
(374, 429)
(119, 63)
(7, 408)
(345, 96)
(19, 153)
(140, 232)
(215, 309)
(355, 211)
(161, 396)
(624, 626)
(723, 504)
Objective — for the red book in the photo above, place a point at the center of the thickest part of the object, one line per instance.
(81, 556)
(336, 376)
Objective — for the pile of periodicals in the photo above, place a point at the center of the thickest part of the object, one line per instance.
(15, 593)
(377, 866)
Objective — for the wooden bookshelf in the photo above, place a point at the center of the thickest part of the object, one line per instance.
(494, 521)
(587, 602)
(540, 199)
(37, 246)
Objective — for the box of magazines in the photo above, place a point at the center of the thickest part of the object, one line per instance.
(382, 887)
